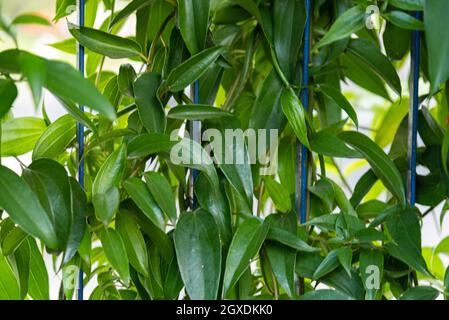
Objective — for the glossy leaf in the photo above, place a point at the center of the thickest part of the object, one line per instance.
(197, 112)
(115, 252)
(404, 20)
(148, 144)
(129, 9)
(9, 287)
(420, 293)
(162, 193)
(294, 111)
(125, 79)
(8, 94)
(19, 135)
(194, 22)
(340, 101)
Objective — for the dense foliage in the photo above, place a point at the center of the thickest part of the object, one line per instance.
(135, 228)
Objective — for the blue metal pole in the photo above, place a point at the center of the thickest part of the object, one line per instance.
(196, 136)
(413, 114)
(302, 175)
(80, 133)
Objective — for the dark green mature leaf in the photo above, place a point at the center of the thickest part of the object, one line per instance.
(33, 68)
(329, 264)
(193, 23)
(396, 41)
(244, 246)
(162, 192)
(404, 20)
(340, 100)
(56, 138)
(125, 79)
(279, 194)
(13, 240)
(115, 252)
(348, 23)
(420, 293)
(198, 253)
(282, 261)
(437, 42)
(108, 178)
(325, 294)
(9, 287)
(371, 269)
(22, 261)
(404, 228)
(148, 144)
(19, 135)
(151, 111)
(106, 44)
(290, 240)
(192, 69)
(369, 54)
(344, 255)
(140, 194)
(129, 9)
(197, 112)
(39, 285)
(294, 111)
(381, 165)
(328, 144)
(134, 242)
(29, 214)
(8, 94)
(409, 4)
(289, 18)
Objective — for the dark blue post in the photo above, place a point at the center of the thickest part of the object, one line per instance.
(196, 136)
(413, 114)
(301, 179)
(80, 133)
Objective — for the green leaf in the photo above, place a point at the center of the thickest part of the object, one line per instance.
(198, 253)
(22, 261)
(39, 286)
(437, 42)
(420, 293)
(370, 55)
(329, 264)
(76, 113)
(193, 23)
(148, 144)
(140, 194)
(282, 261)
(417, 5)
(134, 5)
(9, 286)
(115, 252)
(294, 111)
(108, 177)
(56, 138)
(289, 19)
(279, 194)
(197, 112)
(134, 242)
(106, 44)
(404, 20)
(29, 214)
(8, 94)
(19, 135)
(381, 165)
(13, 240)
(290, 240)
(125, 79)
(404, 228)
(344, 255)
(328, 144)
(192, 69)
(340, 100)
(162, 192)
(371, 269)
(391, 122)
(325, 294)
(244, 246)
(33, 68)
(31, 18)
(151, 111)
(348, 23)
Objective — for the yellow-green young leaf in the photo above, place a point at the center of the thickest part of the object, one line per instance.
(348, 23)
(245, 244)
(371, 270)
(8, 93)
(30, 18)
(151, 111)
(19, 135)
(55, 138)
(404, 20)
(279, 195)
(193, 23)
(391, 122)
(107, 44)
(420, 293)
(294, 111)
(197, 112)
(129, 230)
(133, 6)
(115, 252)
(9, 286)
(192, 69)
(437, 42)
(198, 251)
(23, 207)
(140, 194)
(109, 178)
(381, 165)
(162, 192)
(148, 144)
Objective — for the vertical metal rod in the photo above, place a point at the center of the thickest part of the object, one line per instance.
(302, 174)
(80, 131)
(195, 130)
(413, 114)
